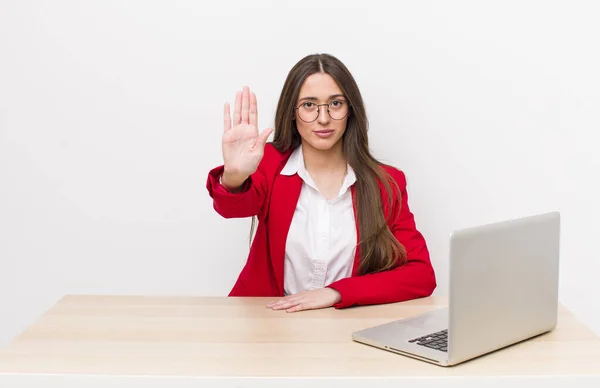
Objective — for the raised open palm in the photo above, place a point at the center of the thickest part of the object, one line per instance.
(243, 146)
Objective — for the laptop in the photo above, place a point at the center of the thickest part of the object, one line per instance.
(503, 290)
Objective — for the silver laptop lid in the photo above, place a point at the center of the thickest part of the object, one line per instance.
(503, 284)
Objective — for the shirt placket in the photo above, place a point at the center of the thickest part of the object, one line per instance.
(319, 264)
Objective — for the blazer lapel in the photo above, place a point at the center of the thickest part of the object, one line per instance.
(284, 199)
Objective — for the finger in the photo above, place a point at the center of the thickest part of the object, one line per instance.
(226, 118)
(282, 302)
(285, 304)
(237, 110)
(298, 307)
(272, 303)
(288, 298)
(263, 137)
(279, 301)
(245, 105)
(253, 110)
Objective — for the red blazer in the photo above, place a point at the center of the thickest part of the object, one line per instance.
(272, 197)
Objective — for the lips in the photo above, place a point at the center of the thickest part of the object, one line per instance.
(324, 133)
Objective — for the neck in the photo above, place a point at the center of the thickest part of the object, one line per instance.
(330, 160)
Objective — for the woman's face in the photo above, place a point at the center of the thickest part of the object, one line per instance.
(319, 130)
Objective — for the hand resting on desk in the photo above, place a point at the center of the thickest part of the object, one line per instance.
(307, 300)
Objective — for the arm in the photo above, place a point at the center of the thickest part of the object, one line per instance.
(414, 279)
(248, 200)
(245, 155)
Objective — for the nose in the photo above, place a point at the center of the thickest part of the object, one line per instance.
(323, 115)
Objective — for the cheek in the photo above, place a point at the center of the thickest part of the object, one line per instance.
(302, 127)
(342, 124)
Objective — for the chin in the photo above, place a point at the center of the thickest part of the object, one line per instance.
(323, 144)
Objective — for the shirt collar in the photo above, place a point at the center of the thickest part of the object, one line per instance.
(295, 165)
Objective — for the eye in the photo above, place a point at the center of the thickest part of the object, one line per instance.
(337, 103)
(308, 105)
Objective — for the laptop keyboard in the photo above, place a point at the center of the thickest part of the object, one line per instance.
(437, 340)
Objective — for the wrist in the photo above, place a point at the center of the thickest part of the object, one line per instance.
(337, 297)
(232, 181)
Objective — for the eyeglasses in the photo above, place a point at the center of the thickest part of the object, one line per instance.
(309, 111)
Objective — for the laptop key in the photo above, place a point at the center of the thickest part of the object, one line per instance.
(437, 340)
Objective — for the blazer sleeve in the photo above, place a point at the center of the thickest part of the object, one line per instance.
(250, 200)
(414, 279)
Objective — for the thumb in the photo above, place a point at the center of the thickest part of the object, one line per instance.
(262, 138)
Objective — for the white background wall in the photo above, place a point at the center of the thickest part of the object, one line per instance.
(110, 119)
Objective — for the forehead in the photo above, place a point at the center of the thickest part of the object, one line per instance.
(319, 85)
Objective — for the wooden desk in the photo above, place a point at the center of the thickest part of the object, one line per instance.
(89, 341)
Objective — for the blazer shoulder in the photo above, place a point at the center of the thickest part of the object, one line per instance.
(272, 158)
(396, 174)
(272, 154)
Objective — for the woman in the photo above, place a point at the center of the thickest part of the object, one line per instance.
(334, 226)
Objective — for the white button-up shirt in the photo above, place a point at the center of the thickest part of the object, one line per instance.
(321, 241)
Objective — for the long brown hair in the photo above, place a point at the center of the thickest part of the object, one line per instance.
(379, 249)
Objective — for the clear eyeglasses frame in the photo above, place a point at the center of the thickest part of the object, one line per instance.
(309, 111)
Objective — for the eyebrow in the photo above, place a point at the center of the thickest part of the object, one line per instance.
(316, 99)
